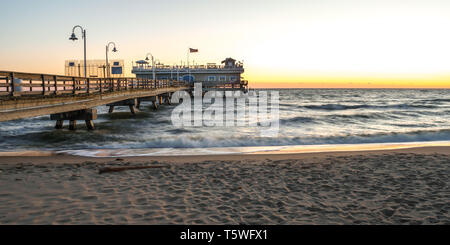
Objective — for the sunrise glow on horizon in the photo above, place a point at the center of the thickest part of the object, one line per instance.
(283, 44)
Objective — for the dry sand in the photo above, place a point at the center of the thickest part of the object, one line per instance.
(408, 186)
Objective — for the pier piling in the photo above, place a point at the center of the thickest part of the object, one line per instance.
(167, 98)
(72, 116)
(153, 99)
(132, 109)
(90, 124)
(72, 124)
(59, 124)
(131, 103)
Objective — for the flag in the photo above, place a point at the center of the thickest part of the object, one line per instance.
(193, 50)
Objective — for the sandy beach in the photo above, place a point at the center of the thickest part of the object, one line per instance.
(403, 186)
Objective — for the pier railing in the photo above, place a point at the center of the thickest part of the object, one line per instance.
(19, 84)
(174, 70)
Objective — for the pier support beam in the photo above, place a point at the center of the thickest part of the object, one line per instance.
(59, 124)
(133, 109)
(90, 124)
(72, 124)
(155, 105)
(153, 99)
(138, 103)
(131, 103)
(166, 98)
(72, 116)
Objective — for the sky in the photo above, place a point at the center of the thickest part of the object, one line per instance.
(283, 43)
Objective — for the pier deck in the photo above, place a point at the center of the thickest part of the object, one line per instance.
(24, 95)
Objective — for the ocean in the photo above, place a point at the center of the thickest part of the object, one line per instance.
(307, 117)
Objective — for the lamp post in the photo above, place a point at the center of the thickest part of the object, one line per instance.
(73, 37)
(153, 64)
(108, 69)
(108, 72)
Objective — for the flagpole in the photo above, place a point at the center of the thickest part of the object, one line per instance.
(189, 70)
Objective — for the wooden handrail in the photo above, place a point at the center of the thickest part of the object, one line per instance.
(58, 84)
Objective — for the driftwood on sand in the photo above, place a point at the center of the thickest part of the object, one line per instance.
(124, 168)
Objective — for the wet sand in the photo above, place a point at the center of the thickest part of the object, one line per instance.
(403, 186)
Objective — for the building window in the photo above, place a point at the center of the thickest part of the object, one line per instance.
(116, 63)
(211, 78)
(233, 78)
(71, 63)
(188, 78)
(222, 78)
(116, 70)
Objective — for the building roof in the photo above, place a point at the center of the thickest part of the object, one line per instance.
(141, 62)
(228, 59)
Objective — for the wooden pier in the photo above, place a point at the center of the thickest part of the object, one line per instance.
(24, 95)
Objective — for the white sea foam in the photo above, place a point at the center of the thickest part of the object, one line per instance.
(247, 150)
